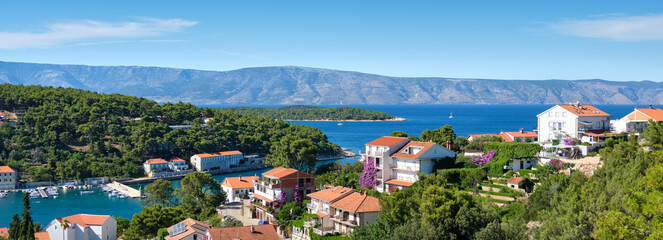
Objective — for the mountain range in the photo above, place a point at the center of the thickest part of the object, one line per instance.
(302, 85)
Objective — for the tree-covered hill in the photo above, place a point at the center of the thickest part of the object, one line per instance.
(71, 134)
(307, 112)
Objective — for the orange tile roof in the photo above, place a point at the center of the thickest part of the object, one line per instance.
(584, 110)
(599, 133)
(4, 232)
(321, 214)
(524, 134)
(425, 145)
(281, 172)
(261, 197)
(42, 236)
(358, 202)
(218, 154)
(331, 194)
(399, 182)
(387, 141)
(84, 220)
(177, 160)
(239, 182)
(189, 229)
(653, 113)
(155, 161)
(260, 232)
(515, 180)
(6, 169)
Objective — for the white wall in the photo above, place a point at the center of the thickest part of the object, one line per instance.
(556, 115)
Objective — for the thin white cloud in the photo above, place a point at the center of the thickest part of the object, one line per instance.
(79, 32)
(239, 54)
(614, 27)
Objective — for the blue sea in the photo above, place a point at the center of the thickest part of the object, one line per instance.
(466, 119)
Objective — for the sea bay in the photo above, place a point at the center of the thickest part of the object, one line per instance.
(466, 119)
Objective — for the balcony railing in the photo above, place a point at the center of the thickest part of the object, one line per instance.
(405, 168)
(323, 230)
(345, 221)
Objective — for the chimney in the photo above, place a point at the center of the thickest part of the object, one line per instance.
(253, 230)
(448, 144)
(240, 178)
(522, 130)
(650, 107)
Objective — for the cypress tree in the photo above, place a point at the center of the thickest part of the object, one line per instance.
(27, 227)
(14, 227)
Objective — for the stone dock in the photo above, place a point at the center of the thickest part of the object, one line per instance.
(126, 190)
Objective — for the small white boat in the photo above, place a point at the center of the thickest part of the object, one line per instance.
(87, 192)
(3, 194)
(451, 114)
(54, 197)
(34, 194)
(122, 196)
(340, 124)
(113, 194)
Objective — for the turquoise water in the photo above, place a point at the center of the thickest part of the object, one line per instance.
(467, 119)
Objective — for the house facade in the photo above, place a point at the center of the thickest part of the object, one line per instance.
(637, 120)
(8, 178)
(189, 229)
(178, 164)
(522, 136)
(238, 187)
(354, 210)
(155, 165)
(83, 227)
(213, 161)
(320, 204)
(571, 121)
(398, 160)
(273, 183)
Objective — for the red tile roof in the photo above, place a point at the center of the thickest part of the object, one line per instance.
(42, 236)
(155, 161)
(6, 169)
(191, 226)
(387, 141)
(239, 182)
(281, 172)
(399, 182)
(177, 160)
(4, 232)
(321, 214)
(515, 180)
(331, 194)
(524, 134)
(584, 110)
(424, 145)
(218, 154)
(599, 133)
(653, 113)
(84, 220)
(358, 202)
(260, 232)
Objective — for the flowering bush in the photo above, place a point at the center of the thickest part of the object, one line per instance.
(568, 141)
(368, 178)
(483, 159)
(281, 201)
(556, 163)
(297, 196)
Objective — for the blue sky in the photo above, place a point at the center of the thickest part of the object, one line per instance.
(620, 40)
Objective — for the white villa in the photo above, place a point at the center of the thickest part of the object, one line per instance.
(214, 161)
(399, 159)
(178, 164)
(155, 165)
(82, 227)
(273, 183)
(321, 205)
(637, 120)
(8, 178)
(572, 121)
(238, 187)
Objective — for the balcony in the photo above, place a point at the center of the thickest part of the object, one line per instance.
(312, 206)
(345, 221)
(404, 168)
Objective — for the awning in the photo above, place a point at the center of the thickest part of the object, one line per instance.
(585, 122)
(399, 182)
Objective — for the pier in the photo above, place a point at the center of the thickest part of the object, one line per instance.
(42, 192)
(126, 190)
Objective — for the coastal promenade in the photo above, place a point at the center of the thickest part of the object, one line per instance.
(126, 190)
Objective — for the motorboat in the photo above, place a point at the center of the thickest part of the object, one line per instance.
(87, 192)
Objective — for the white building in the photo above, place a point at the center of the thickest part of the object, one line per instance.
(215, 161)
(571, 121)
(276, 182)
(637, 120)
(83, 227)
(8, 178)
(178, 164)
(238, 187)
(320, 204)
(155, 165)
(398, 160)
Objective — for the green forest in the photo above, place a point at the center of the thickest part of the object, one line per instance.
(306, 112)
(68, 133)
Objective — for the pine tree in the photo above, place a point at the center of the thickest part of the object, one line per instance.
(27, 227)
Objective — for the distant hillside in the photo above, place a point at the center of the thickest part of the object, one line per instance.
(307, 112)
(300, 85)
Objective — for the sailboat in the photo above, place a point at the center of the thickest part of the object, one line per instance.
(451, 114)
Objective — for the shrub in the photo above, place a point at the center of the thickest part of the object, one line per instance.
(555, 141)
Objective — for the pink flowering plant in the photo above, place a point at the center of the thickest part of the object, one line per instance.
(297, 196)
(483, 159)
(368, 178)
(281, 201)
(569, 141)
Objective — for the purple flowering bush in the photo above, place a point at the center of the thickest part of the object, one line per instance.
(368, 178)
(483, 159)
(569, 141)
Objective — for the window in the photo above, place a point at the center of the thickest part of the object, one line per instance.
(301, 182)
(308, 180)
(377, 161)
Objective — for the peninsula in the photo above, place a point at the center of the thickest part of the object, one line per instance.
(315, 113)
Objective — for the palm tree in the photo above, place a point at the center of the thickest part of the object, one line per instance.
(64, 224)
